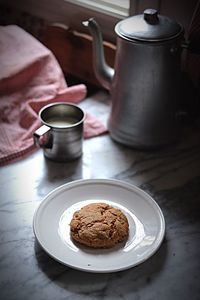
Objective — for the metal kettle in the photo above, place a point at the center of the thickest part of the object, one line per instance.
(145, 81)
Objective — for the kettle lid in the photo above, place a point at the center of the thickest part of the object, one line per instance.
(149, 27)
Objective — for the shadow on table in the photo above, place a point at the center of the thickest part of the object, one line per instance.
(103, 284)
(59, 170)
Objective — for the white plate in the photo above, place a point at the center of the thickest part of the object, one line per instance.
(146, 225)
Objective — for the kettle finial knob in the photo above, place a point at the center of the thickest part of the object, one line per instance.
(151, 16)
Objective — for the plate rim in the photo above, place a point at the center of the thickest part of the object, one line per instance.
(117, 182)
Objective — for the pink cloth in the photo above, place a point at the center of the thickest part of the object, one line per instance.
(30, 77)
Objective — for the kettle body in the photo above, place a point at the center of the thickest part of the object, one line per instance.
(146, 80)
(145, 93)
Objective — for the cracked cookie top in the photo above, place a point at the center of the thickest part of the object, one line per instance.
(99, 225)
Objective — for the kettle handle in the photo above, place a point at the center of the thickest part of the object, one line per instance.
(185, 44)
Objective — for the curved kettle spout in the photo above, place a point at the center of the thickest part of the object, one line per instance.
(103, 72)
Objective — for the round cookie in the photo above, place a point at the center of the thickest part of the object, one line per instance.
(99, 225)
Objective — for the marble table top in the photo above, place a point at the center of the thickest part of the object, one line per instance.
(171, 176)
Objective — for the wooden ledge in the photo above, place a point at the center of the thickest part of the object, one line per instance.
(73, 51)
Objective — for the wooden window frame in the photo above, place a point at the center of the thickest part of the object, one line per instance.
(72, 14)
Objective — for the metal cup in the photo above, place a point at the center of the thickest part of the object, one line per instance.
(61, 135)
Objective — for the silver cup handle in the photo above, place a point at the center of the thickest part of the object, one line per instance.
(38, 134)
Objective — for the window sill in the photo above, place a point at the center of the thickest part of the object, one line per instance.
(74, 53)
